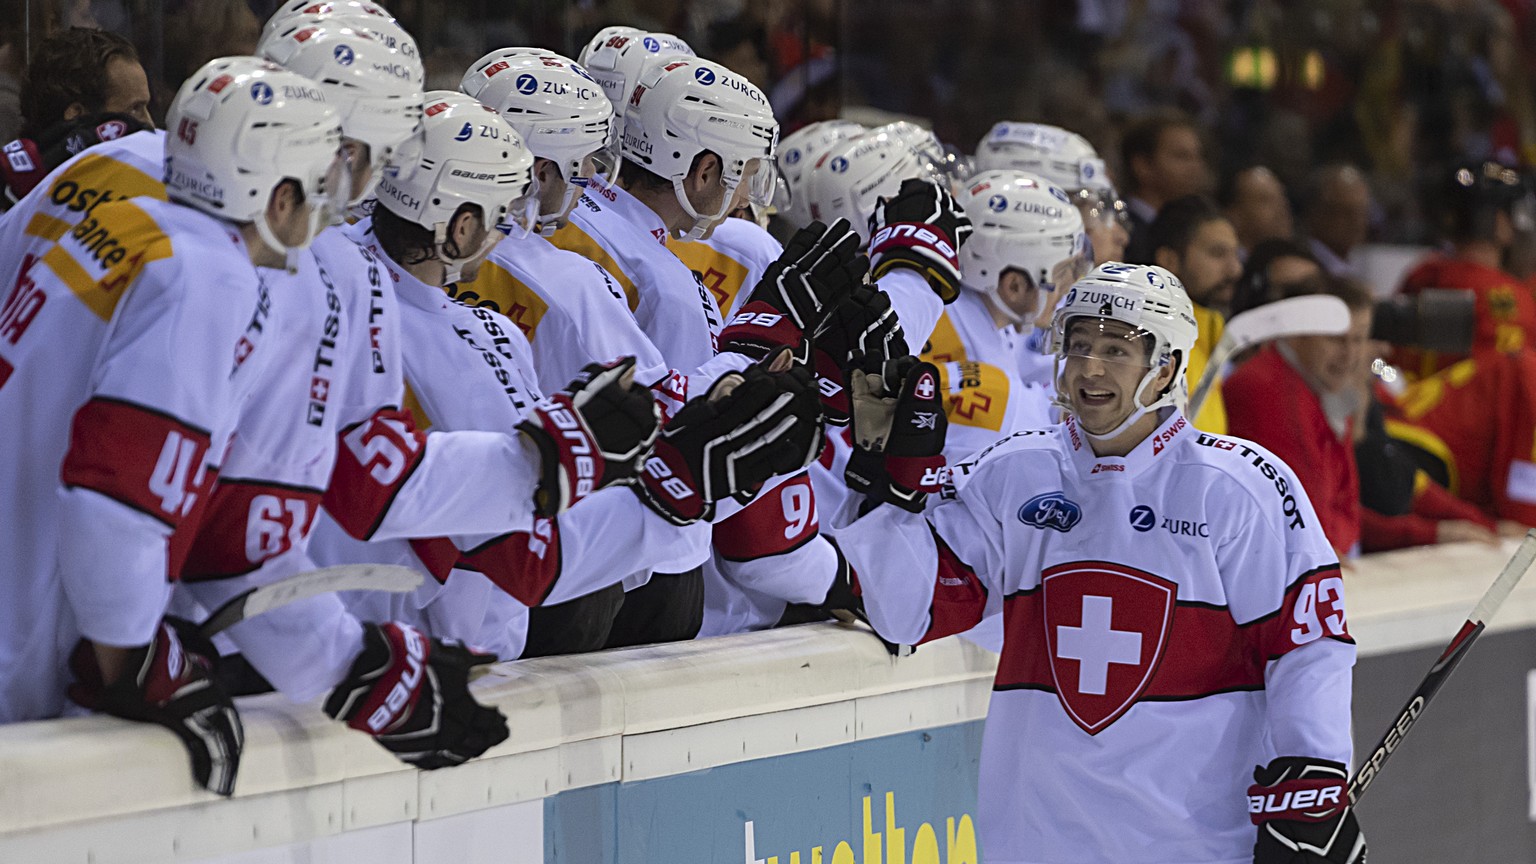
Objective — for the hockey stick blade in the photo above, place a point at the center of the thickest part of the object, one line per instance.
(345, 577)
(1482, 613)
(1318, 314)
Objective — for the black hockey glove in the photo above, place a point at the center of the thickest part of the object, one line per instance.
(863, 323)
(411, 693)
(750, 426)
(595, 433)
(170, 682)
(921, 228)
(898, 432)
(820, 266)
(1302, 809)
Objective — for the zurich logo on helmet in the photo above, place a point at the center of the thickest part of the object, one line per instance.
(1060, 195)
(343, 55)
(261, 91)
(464, 133)
(704, 76)
(997, 203)
(792, 157)
(652, 44)
(527, 84)
(839, 165)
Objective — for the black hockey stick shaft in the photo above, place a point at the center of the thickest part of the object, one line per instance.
(1493, 598)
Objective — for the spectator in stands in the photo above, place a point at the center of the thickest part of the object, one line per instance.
(1311, 400)
(1338, 216)
(1192, 240)
(1163, 159)
(81, 71)
(1480, 207)
(1254, 201)
(1273, 270)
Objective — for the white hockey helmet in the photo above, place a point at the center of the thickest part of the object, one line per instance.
(851, 176)
(601, 38)
(464, 154)
(684, 106)
(371, 18)
(1061, 157)
(949, 161)
(797, 153)
(1021, 223)
(557, 108)
(242, 125)
(616, 63)
(376, 89)
(1151, 301)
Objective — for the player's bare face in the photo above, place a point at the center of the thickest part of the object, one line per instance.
(1105, 363)
(127, 90)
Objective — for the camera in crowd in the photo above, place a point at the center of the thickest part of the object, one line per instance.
(1435, 319)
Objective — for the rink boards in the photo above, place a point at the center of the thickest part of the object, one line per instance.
(806, 745)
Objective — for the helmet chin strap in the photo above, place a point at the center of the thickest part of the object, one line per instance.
(701, 224)
(548, 225)
(453, 268)
(317, 215)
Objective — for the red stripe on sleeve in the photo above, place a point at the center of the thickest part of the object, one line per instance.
(374, 460)
(143, 458)
(781, 520)
(246, 523)
(959, 598)
(525, 564)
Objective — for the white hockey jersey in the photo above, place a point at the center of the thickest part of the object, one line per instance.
(125, 353)
(467, 369)
(572, 311)
(730, 262)
(1172, 619)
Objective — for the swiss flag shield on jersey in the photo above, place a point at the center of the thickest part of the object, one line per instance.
(1106, 626)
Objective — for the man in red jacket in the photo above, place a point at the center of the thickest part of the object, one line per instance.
(1481, 208)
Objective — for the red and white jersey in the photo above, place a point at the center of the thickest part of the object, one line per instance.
(1172, 619)
(571, 310)
(470, 374)
(126, 351)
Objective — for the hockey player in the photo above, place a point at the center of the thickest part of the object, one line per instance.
(151, 355)
(469, 368)
(1173, 615)
(797, 153)
(1028, 241)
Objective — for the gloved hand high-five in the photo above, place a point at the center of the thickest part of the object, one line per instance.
(898, 431)
(750, 426)
(920, 228)
(820, 266)
(170, 682)
(591, 435)
(862, 324)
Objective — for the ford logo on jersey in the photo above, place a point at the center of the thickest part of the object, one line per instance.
(1051, 510)
(1142, 518)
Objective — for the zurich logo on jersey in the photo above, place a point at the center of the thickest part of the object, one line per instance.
(1142, 518)
(464, 133)
(839, 165)
(344, 55)
(997, 203)
(704, 76)
(261, 91)
(651, 43)
(1052, 510)
(527, 84)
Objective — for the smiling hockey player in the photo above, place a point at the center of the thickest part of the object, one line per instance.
(1173, 614)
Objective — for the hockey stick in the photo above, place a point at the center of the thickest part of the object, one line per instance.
(1294, 316)
(1482, 613)
(345, 577)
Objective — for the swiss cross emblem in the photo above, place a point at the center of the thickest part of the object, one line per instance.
(1106, 626)
(319, 389)
(925, 387)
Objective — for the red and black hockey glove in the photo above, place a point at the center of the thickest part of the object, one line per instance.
(1303, 812)
(411, 693)
(28, 160)
(863, 324)
(898, 432)
(170, 682)
(750, 426)
(593, 434)
(922, 228)
(820, 266)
